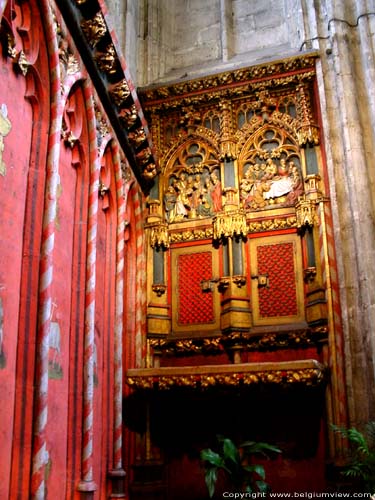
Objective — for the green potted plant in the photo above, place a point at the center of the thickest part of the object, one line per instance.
(236, 463)
(362, 463)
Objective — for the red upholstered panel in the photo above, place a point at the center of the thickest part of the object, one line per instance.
(194, 306)
(280, 299)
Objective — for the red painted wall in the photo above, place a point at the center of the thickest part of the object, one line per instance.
(13, 185)
(25, 155)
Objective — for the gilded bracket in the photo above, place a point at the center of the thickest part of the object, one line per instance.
(159, 289)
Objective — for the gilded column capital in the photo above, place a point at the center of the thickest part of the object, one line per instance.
(159, 236)
(305, 213)
(229, 224)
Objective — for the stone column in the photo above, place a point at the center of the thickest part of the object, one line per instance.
(348, 128)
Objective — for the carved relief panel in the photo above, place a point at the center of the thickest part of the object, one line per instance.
(191, 186)
(270, 170)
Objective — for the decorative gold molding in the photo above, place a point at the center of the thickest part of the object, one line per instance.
(288, 339)
(261, 76)
(265, 225)
(229, 224)
(191, 235)
(94, 29)
(272, 224)
(305, 372)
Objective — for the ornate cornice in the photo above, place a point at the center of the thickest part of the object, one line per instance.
(245, 341)
(232, 83)
(306, 372)
(89, 26)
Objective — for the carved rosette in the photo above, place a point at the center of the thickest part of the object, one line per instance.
(137, 137)
(128, 116)
(120, 92)
(159, 236)
(94, 29)
(229, 224)
(106, 60)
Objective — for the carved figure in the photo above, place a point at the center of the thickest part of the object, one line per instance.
(170, 199)
(261, 188)
(297, 184)
(216, 193)
(281, 184)
(191, 196)
(206, 204)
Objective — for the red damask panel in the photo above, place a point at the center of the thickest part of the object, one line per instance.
(194, 306)
(280, 299)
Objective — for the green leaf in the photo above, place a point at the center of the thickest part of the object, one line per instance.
(251, 447)
(211, 478)
(258, 469)
(263, 487)
(231, 452)
(212, 457)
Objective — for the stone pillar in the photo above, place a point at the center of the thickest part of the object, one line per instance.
(347, 114)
